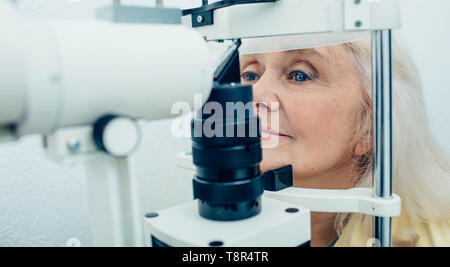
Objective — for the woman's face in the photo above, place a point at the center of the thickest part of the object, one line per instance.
(314, 96)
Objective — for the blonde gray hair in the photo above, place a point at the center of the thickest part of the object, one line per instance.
(421, 168)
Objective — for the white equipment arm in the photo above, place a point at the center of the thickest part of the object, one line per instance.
(291, 17)
(354, 200)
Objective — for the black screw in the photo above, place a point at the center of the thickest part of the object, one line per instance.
(151, 215)
(216, 244)
(358, 23)
(291, 210)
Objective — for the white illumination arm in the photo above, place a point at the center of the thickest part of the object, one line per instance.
(298, 24)
(291, 17)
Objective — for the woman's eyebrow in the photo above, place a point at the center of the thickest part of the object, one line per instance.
(248, 60)
(306, 52)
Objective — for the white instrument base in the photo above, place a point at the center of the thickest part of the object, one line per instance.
(182, 226)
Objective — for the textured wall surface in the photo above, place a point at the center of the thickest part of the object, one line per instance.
(45, 204)
(41, 203)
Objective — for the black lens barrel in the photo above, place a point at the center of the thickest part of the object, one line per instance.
(228, 181)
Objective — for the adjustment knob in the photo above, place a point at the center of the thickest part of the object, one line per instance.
(117, 135)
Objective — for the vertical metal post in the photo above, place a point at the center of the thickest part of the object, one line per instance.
(114, 210)
(382, 101)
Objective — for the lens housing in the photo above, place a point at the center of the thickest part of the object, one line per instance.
(228, 182)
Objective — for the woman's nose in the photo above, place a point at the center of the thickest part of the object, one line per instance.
(265, 94)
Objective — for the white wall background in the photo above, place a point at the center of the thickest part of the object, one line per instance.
(45, 204)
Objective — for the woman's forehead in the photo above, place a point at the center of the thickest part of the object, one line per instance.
(326, 55)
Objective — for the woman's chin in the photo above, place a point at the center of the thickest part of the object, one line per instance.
(272, 161)
(275, 141)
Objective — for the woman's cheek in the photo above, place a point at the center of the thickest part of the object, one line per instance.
(314, 118)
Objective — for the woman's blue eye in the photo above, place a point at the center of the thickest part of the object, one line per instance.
(299, 76)
(250, 77)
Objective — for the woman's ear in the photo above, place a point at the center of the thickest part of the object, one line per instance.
(362, 147)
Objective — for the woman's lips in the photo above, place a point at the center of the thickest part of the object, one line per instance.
(268, 134)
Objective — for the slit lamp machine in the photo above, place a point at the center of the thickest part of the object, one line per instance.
(86, 87)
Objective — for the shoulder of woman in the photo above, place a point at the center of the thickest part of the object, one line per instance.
(406, 232)
(409, 231)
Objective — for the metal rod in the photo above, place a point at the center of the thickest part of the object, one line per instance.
(114, 209)
(382, 101)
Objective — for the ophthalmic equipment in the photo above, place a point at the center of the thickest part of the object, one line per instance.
(81, 86)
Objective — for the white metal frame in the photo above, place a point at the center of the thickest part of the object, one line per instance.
(115, 215)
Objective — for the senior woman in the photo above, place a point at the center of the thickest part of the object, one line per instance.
(322, 101)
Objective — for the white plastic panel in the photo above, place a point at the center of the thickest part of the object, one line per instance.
(357, 15)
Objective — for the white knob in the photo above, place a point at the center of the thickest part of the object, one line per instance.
(118, 136)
